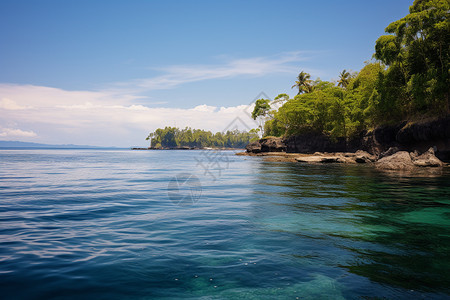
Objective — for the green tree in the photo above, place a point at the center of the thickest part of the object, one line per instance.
(261, 110)
(303, 83)
(417, 53)
(344, 78)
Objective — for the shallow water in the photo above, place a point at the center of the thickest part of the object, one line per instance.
(80, 224)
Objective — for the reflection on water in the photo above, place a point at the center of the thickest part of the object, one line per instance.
(84, 224)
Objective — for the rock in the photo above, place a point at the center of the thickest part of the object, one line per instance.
(330, 159)
(314, 142)
(254, 147)
(346, 159)
(318, 159)
(424, 131)
(388, 152)
(309, 159)
(398, 161)
(427, 159)
(414, 155)
(363, 157)
(383, 141)
(272, 144)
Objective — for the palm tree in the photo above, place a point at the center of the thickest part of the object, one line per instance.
(344, 79)
(303, 83)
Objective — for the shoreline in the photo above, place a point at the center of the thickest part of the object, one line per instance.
(205, 148)
(399, 163)
(317, 157)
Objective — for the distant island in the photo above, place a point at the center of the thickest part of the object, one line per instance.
(188, 139)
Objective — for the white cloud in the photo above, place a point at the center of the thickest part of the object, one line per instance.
(9, 104)
(204, 108)
(14, 133)
(177, 75)
(83, 117)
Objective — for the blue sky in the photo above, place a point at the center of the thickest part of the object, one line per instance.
(174, 54)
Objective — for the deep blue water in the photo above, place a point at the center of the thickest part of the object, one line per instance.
(96, 224)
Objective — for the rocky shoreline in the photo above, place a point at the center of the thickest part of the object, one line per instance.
(393, 159)
(186, 148)
(406, 146)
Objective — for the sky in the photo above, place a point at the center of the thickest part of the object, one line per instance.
(108, 72)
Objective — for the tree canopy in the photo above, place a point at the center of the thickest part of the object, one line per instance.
(173, 137)
(408, 80)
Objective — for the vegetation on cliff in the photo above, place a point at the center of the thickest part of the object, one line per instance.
(409, 79)
(173, 137)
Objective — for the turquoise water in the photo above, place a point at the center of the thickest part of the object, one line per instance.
(94, 224)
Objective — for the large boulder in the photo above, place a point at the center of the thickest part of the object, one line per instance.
(272, 144)
(402, 160)
(427, 159)
(397, 161)
(254, 147)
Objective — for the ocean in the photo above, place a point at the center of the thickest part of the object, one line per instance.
(122, 224)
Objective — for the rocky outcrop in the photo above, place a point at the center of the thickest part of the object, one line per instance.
(402, 160)
(424, 131)
(384, 141)
(272, 144)
(314, 142)
(397, 161)
(392, 160)
(254, 147)
(427, 159)
(420, 135)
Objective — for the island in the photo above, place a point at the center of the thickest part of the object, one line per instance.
(395, 111)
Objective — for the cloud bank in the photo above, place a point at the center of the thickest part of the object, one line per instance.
(115, 115)
(56, 116)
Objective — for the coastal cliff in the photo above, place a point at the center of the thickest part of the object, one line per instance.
(405, 136)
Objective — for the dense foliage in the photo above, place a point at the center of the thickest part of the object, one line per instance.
(408, 80)
(172, 137)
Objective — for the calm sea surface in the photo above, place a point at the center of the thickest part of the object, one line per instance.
(121, 224)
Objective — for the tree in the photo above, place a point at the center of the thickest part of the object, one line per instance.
(172, 137)
(418, 49)
(303, 83)
(261, 110)
(344, 79)
(280, 99)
